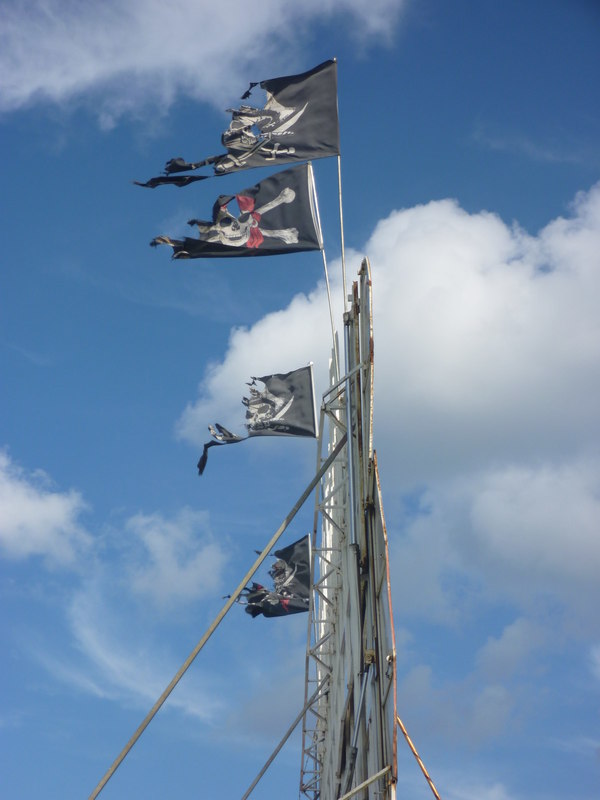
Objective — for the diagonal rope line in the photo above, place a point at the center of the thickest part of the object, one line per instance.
(418, 757)
(218, 619)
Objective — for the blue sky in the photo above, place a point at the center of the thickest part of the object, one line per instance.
(471, 179)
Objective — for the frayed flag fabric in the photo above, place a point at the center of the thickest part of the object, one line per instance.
(298, 122)
(275, 217)
(285, 406)
(291, 584)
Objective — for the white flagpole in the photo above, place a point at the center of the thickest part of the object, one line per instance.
(320, 232)
(314, 401)
(333, 336)
(339, 163)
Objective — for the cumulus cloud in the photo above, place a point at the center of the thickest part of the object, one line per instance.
(281, 341)
(522, 533)
(487, 348)
(542, 521)
(487, 339)
(147, 52)
(482, 703)
(492, 332)
(37, 520)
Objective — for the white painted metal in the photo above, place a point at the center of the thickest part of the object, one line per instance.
(349, 733)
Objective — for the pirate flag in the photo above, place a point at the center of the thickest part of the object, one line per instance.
(291, 584)
(284, 407)
(298, 122)
(275, 217)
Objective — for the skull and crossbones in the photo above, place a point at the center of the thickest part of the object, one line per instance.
(263, 408)
(242, 142)
(245, 230)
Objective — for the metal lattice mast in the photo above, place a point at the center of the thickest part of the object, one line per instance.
(349, 732)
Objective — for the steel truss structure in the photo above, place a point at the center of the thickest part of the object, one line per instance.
(349, 734)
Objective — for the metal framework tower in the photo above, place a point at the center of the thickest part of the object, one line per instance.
(349, 734)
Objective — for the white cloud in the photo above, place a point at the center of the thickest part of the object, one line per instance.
(168, 560)
(255, 710)
(582, 746)
(500, 658)
(523, 533)
(119, 659)
(465, 710)
(546, 151)
(175, 564)
(542, 521)
(487, 340)
(487, 355)
(452, 784)
(36, 520)
(595, 661)
(281, 341)
(421, 562)
(147, 52)
(492, 711)
(113, 652)
(479, 791)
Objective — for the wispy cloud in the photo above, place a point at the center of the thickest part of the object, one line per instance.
(34, 357)
(114, 655)
(543, 151)
(580, 745)
(170, 562)
(175, 563)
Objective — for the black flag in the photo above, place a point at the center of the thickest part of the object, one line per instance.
(274, 217)
(298, 122)
(291, 584)
(284, 407)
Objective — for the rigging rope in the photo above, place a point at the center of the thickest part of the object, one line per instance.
(218, 619)
(418, 757)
